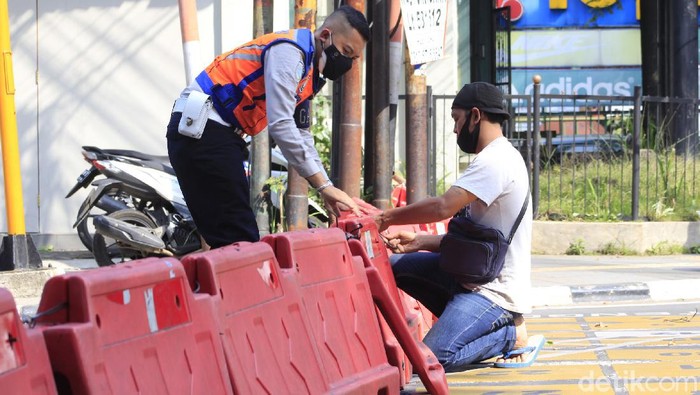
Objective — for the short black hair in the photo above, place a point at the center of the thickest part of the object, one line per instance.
(496, 118)
(356, 19)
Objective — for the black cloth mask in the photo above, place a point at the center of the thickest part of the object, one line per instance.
(466, 141)
(337, 64)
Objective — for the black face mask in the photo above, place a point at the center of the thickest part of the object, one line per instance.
(466, 141)
(337, 64)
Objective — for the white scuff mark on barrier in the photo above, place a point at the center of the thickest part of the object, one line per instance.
(172, 272)
(265, 272)
(126, 296)
(368, 244)
(151, 310)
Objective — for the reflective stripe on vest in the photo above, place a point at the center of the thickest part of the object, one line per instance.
(235, 80)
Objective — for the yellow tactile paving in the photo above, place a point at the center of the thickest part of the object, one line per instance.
(680, 386)
(548, 320)
(658, 369)
(529, 388)
(555, 336)
(534, 373)
(639, 354)
(687, 356)
(634, 321)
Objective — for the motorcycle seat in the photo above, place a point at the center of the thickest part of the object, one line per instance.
(138, 155)
(158, 162)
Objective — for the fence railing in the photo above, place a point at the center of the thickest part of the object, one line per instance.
(595, 157)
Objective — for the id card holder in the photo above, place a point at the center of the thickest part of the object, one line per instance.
(195, 115)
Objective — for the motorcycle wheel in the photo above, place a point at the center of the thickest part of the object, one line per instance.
(108, 251)
(85, 229)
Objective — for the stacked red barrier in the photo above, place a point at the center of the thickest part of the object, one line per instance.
(130, 329)
(424, 361)
(338, 300)
(266, 333)
(24, 362)
(365, 230)
(292, 314)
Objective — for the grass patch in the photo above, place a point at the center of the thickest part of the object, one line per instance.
(665, 248)
(576, 248)
(616, 249)
(601, 189)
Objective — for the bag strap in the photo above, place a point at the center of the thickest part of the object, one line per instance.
(520, 216)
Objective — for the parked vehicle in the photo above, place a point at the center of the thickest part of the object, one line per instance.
(110, 195)
(142, 208)
(136, 208)
(577, 148)
(584, 147)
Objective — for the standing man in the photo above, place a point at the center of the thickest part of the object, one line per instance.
(267, 82)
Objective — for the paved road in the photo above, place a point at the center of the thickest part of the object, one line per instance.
(614, 349)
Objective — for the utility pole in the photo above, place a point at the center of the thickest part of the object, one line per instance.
(669, 40)
(416, 132)
(349, 150)
(652, 13)
(684, 72)
(297, 186)
(395, 27)
(379, 116)
(260, 144)
(189, 30)
(17, 250)
(416, 135)
(369, 167)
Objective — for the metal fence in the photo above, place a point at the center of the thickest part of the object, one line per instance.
(595, 157)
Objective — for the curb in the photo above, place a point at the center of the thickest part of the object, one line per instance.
(654, 291)
(28, 283)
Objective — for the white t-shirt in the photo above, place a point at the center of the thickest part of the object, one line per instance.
(498, 177)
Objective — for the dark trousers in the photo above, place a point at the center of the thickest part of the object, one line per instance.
(213, 181)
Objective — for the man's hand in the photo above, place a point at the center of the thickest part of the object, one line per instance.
(380, 221)
(337, 201)
(403, 242)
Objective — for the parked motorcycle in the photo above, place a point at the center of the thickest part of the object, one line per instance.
(138, 210)
(109, 195)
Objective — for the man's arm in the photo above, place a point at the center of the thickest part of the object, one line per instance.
(427, 210)
(284, 67)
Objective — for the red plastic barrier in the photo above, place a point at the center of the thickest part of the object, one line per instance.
(423, 360)
(133, 328)
(424, 317)
(398, 196)
(339, 303)
(365, 229)
(24, 362)
(268, 340)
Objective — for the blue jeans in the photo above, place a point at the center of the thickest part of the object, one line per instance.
(470, 329)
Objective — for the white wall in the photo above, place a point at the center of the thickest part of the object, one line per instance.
(108, 72)
(23, 37)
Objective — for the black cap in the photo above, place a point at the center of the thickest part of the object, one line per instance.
(482, 95)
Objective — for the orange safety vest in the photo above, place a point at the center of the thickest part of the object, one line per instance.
(236, 82)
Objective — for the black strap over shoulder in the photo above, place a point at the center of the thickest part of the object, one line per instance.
(520, 216)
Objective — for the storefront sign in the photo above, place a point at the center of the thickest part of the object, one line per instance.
(424, 23)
